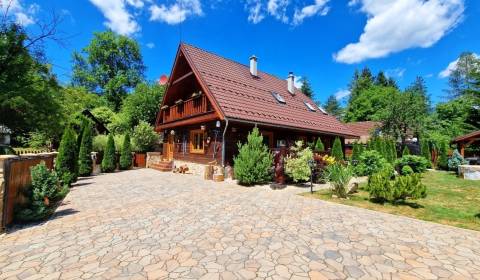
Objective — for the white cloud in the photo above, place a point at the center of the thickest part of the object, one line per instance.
(451, 67)
(22, 16)
(341, 94)
(118, 17)
(396, 72)
(255, 11)
(177, 12)
(318, 8)
(278, 9)
(150, 45)
(396, 25)
(136, 3)
(297, 81)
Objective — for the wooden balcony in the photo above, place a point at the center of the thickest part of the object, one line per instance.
(189, 108)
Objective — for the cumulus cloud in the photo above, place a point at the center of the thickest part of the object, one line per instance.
(22, 15)
(341, 94)
(292, 12)
(177, 12)
(451, 67)
(118, 17)
(397, 25)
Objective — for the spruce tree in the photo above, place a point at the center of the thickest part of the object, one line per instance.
(126, 153)
(337, 150)
(406, 151)
(66, 163)
(108, 161)
(319, 145)
(84, 155)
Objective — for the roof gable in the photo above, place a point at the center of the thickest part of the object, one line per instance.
(242, 96)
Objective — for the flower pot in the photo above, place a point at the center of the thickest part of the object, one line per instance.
(140, 160)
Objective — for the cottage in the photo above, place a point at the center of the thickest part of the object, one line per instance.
(211, 103)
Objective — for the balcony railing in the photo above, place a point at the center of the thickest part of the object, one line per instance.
(189, 108)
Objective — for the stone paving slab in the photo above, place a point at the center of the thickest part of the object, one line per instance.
(143, 224)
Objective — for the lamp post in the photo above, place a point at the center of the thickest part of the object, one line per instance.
(311, 164)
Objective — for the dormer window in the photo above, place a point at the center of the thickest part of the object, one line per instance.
(309, 106)
(278, 97)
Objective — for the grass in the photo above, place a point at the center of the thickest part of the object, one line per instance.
(450, 200)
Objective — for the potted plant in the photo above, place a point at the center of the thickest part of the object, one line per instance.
(144, 137)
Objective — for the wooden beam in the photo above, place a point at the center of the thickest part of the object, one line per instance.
(182, 78)
(199, 119)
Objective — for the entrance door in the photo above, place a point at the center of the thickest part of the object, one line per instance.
(170, 144)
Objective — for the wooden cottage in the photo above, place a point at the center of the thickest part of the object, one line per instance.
(211, 103)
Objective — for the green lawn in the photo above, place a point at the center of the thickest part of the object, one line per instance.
(450, 200)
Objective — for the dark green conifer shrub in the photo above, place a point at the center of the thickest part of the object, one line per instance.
(126, 153)
(108, 161)
(67, 159)
(84, 156)
(406, 151)
(337, 150)
(443, 156)
(319, 147)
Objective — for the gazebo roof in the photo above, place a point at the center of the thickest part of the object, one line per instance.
(472, 136)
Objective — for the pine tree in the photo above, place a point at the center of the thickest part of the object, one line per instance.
(84, 155)
(425, 150)
(306, 88)
(126, 153)
(108, 161)
(253, 163)
(319, 145)
(381, 79)
(406, 151)
(332, 106)
(66, 163)
(337, 150)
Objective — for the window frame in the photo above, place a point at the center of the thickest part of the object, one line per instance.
(191, 141)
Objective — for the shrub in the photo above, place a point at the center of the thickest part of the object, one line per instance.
(108, 161)
(296, 164)
(100, 143)
(356, 151)
(144, 137)
(126, 153)
(253, 164)
(339, 176)
(84, 155)
(455, 161)
(407, 170)
(425, 150)
(337, 150)
(319, 147)
(443, 156)
(43, 194)
(381, 188)
(369, 162)
(67, 160)
(418, 164)
(406, 151)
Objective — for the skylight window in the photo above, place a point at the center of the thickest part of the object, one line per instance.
(309, 106)
(322, 110)
(278, 97)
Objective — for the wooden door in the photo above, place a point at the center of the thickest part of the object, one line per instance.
(170, 146)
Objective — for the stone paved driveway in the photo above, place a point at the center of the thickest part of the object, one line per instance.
(146, 224)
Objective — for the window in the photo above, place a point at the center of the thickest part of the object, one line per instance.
(278, 97)
(197, 141)
(322, 110)
(267, 138)
(309, 106)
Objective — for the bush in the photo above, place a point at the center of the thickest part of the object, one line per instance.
(67, 160)
(100, 143)
(406, 151)
(369, 162)
(443, 156)
(43, 194)
(108, 161)
(407, 170)
(425, 150)
(84, 155)
(418, 164)
(319, 147)
(356, 151)
(253, 164)
(339, 176)
(144, 137)
(381, 188)
(296, 164)
(455, 161)
(126, 153)
(337, 150)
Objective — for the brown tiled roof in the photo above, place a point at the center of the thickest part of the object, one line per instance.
(468, 136)
(243, 97)
(363, 128)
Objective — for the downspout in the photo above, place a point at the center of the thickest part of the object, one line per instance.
(223, 142)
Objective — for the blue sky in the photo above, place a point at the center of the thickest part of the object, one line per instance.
(325, 40)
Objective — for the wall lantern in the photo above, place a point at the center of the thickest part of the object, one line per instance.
(5, 133)
(172, 132)
(202, 127)
(217, 125)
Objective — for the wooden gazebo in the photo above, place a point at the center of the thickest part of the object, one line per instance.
(466, 140)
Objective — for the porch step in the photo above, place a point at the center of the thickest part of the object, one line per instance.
(165, 166)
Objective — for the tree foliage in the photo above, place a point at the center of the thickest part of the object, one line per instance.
(254, 161)
(306, 87)
(143, 103)
(333, 107)
(144, 137)
(111, 65)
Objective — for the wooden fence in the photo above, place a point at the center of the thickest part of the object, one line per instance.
(14, 178)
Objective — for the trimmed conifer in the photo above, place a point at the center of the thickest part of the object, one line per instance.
(108, 161)
(337, 150)
(84, 155)
(126, 153)
(443, 156)
(406, 151)
(425, 150)
(393, 150)
(356, 151)
(319, 147)
(66, 163)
